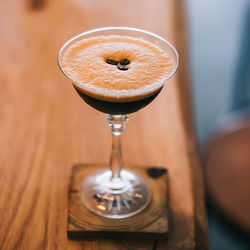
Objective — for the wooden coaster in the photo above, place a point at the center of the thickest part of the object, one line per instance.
(151, 223)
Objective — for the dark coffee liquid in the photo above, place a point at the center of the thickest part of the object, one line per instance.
(117, 108)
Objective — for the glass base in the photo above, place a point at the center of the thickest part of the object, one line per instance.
(116, 198)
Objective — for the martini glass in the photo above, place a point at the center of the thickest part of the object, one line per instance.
(116, 192)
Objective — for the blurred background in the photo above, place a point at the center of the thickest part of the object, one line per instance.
(219, 47)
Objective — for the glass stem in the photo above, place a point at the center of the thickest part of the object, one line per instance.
(116, 156)
(116, 126)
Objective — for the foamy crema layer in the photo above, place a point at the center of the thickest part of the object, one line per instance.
(85, 63)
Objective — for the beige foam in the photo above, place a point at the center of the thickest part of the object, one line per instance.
(85, 63)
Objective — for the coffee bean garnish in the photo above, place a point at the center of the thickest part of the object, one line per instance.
(124, 61)
(111, 61)
(122, 67)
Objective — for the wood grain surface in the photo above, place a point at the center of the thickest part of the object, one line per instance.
(45, 127)
(151, 223)
(183, 80)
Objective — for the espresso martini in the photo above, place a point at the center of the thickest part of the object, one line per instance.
(117, 70)
(117, 74)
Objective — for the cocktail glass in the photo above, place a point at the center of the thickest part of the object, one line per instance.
(116, 192)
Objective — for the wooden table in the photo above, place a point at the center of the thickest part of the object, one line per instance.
(45, 127)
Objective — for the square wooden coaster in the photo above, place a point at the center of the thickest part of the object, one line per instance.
(151, 223)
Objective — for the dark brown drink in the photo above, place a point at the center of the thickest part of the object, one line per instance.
(117, 108)
(117, 74)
